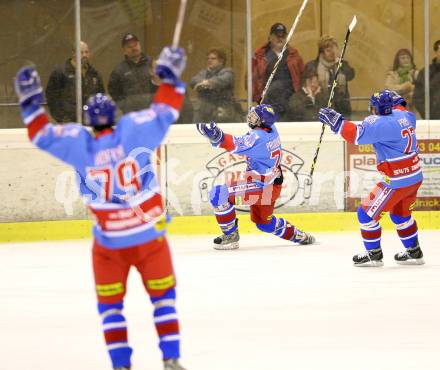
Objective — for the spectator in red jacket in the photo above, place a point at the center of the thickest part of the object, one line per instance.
(287, 79)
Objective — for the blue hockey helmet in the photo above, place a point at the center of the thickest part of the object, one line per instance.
(100, 110)
(262, 115)
(397, 99)
(382, 102)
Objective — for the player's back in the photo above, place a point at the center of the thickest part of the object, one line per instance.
(397, 137)
(115, 168)
(394, 139)
(263, 150)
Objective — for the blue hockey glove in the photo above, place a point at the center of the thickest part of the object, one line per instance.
(332, 118)
(28, 88)
(212, 132)
(171, 64)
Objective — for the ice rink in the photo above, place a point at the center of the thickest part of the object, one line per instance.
(266, 306)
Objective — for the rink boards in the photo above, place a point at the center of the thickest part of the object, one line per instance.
(41, 201)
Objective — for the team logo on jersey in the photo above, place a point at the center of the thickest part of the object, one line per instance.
(228, 167)
(246, 141)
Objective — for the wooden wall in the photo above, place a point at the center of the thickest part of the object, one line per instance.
(42, 32)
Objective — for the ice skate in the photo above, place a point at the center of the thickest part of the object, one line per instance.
(227, 242)
(303, 238)
(371, 258)
(122, 368)
(410, 256)
(172, 364)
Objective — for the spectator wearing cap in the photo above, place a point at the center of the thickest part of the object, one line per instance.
(214, 89)
(130, 82)
(305, 104)
(325, 64)
(434, 87)
(61, 87)
(287, 79)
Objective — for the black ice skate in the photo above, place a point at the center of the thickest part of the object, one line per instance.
(227, 242)
(371, 258)
(172, 364)
(303, 238)
(410, 256)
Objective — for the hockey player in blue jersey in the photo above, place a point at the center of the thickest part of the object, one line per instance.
(113, 166)
(392, 132)
(260, 186)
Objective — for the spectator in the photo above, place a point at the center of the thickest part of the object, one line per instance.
(434, 87)
(214, 91)
(61, 87)
(287, 79)
(305, 105)
(325, 64)
(403, 76)
(130, 82)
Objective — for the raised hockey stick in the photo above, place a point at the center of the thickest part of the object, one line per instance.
(289, 36)
(332, 92)
(179, 24)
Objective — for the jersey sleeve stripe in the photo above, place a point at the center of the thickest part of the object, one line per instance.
(228, 143)
(36, 125)
(349, 131)
(170, 95)
(31, 115)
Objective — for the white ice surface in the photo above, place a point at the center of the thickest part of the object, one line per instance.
(266, 306)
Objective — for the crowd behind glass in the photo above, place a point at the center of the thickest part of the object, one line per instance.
(299, 88)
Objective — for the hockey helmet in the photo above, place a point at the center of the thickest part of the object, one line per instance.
(100, 110)
(397, 99)
(262, 115)
(381, 103)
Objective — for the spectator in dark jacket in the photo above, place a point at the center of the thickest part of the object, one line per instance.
(325, 64)
(61, 87)
(287, 78)
(130, 82)
(305, 104)
(214, 91)
(434, 87)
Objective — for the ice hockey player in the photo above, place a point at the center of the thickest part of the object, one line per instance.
(391, 129)
(123, 195)
(260, 186)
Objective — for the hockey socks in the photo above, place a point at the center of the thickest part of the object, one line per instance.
(224, 211)
(371, 230)
(115, 333)
(283, 229)
(406, 229)
(226, 218)
(167, 324)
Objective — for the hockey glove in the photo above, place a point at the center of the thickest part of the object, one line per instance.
(171, 64)
(28, 88)
(332, 118)
(212, 132)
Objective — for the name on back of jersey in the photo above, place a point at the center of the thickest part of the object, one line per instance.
(106, 156)
(274, 144)
(403, 122)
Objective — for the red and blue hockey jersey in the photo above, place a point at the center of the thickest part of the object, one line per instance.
(115, 169)
(394, 140)
(262, 148)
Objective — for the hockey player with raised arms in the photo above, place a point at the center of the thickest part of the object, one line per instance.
(261, 184)
(113, 166)
(391, 129)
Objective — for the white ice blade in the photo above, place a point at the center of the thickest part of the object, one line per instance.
(352, 24)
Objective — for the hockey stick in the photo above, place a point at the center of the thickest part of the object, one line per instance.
(179, 24)
(332, 92)
(289, 36)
